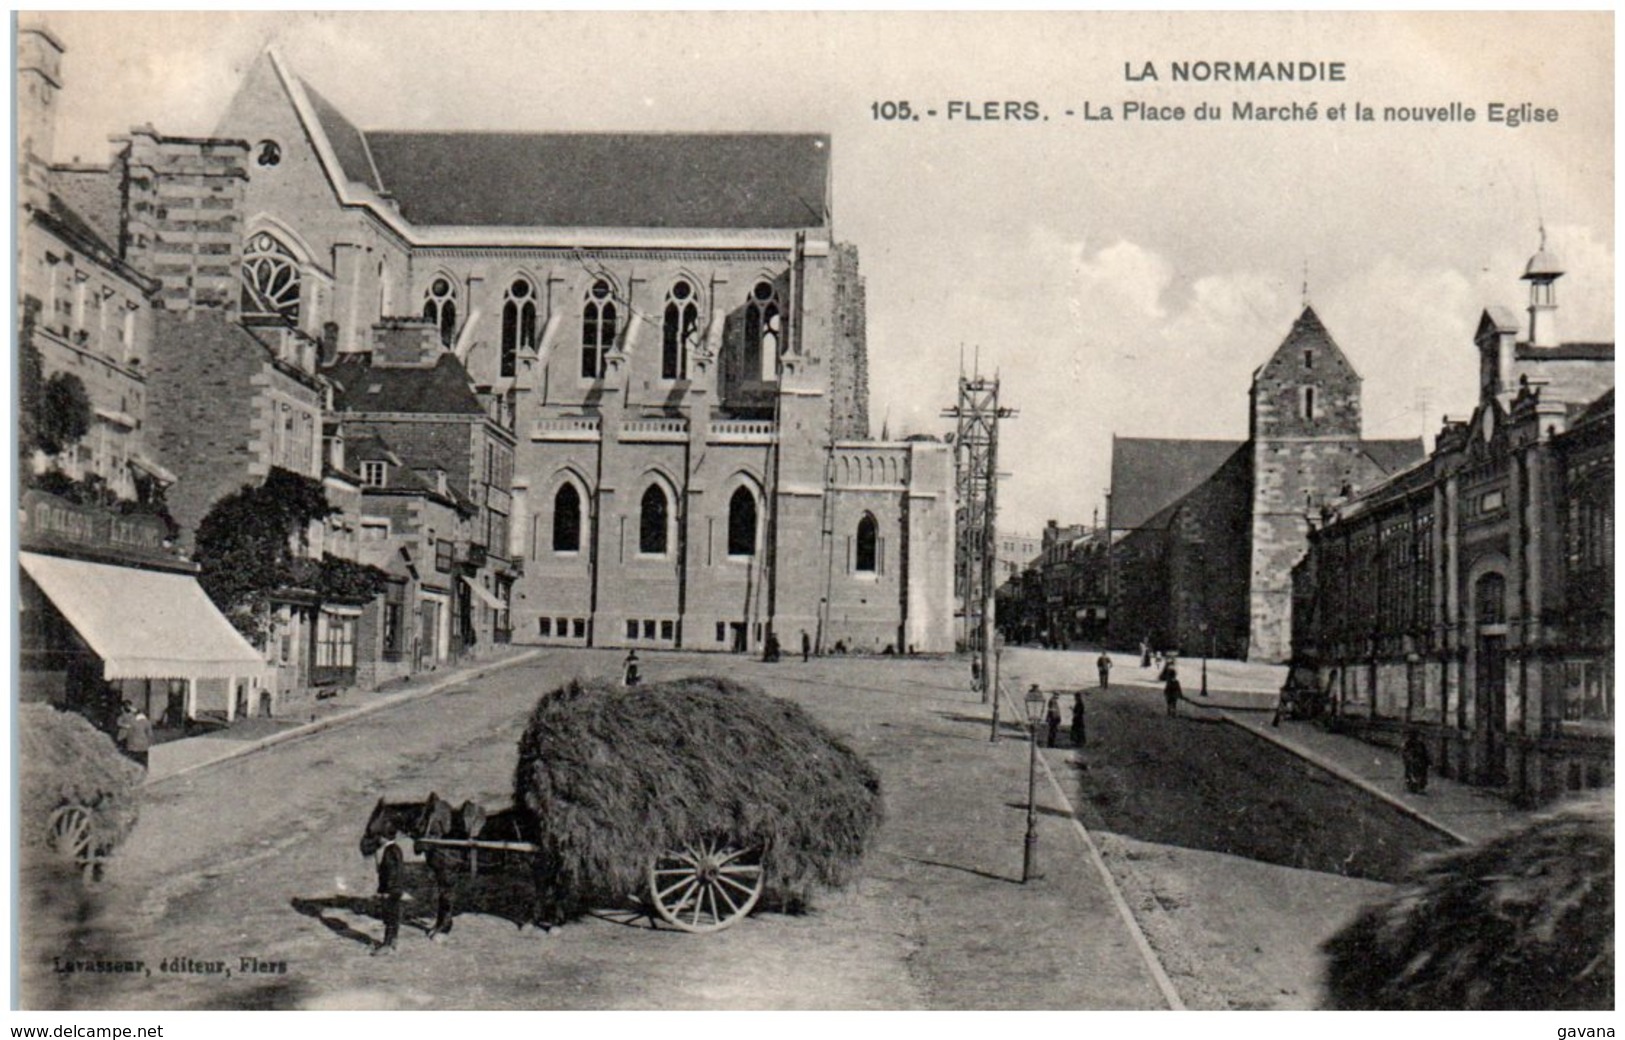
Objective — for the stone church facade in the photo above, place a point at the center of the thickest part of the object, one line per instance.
(667, 329)
(1205, 533)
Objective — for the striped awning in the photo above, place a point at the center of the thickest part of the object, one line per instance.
(144, 624)
(484, 596)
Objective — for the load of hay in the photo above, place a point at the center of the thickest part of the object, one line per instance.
(618, 775)
(1525, 921)
(64, 760)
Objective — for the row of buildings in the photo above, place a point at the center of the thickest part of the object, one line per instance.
(1057, 596)
(1465, 593)
(541, 404)
(1470, 597)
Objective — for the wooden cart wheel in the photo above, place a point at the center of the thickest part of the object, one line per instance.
(707, 886)
(69, 837)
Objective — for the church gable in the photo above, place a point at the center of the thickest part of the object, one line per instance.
(289, 193)
(1307, 388)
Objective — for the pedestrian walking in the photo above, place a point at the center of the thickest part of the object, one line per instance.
(391, 890)
(806, 646)
(976, 673)
(1145, 652)
(1079, 737)
(1171, 691)
(139, 742)
(1414, 753)
(1052, 717)
(630, 675)
(1104, 667)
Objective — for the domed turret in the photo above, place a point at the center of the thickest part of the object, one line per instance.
(1541, 272)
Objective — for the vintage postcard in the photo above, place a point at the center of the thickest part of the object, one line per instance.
(806, 511)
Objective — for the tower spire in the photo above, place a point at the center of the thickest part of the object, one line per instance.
(1306, 282)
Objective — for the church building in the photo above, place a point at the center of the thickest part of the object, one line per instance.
(1204, 533)
(671, 347)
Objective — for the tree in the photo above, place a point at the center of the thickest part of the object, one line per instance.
(246, 546)
(65, 413)
(54, 413)
(30, 388)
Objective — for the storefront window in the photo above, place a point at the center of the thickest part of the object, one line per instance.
(1588, 696)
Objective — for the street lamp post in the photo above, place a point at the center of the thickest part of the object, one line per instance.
(1029, 847)
(1207, 649)
(993, 738)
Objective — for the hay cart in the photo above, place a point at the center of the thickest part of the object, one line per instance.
(703, 887)
(76, 790)
(689, 799)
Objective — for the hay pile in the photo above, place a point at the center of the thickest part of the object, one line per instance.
(617, 775)
(1522, 922)
(64, 760)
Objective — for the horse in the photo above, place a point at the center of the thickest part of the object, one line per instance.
(546, 908)
(436, 818)
(431, 818)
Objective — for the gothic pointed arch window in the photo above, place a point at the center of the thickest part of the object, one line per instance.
(681, 326)
(764, 333)
(567, 519)
(440, 307)
(271, 278)
(518, 323)
(866, 556)
(742, 523)
(598, 317)
(654, 521)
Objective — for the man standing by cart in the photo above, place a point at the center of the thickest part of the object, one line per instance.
(391, 889)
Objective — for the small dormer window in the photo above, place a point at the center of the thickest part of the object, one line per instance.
(372, 474)
(268, 154)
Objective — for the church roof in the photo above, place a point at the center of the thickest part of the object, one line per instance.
(1149, 474)
(439, 390)
(491, 179)
(605, 180)
(349, 145)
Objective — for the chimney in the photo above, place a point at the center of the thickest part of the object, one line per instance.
(406, 343)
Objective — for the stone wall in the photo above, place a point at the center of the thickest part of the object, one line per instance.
(1208, 557)
(183, 217)
(213, 395)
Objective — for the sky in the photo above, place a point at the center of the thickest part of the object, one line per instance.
(1120, 277)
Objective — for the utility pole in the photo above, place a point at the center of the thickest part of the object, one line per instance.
(976, 479)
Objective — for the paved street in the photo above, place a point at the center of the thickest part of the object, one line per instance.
(256, 857)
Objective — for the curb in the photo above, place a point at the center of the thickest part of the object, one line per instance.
(350, 715)
(1349, 778)
(1159, 974)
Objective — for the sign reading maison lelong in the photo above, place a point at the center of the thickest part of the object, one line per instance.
(48, 518)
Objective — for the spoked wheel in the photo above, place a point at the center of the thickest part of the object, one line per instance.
(707, 886)
(69, 837)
